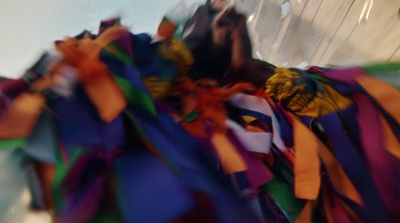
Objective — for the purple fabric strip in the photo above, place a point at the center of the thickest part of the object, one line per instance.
(84, 186)
(338, 213)
(256, 172)
(379, 164)
(356, 208)
(126, 44)
(354, 167)
(113, 135)
(85, 169)
(286, 126)
(83, 205)
(351, 126)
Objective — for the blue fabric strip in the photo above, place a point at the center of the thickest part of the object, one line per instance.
(358, 210)
(194, 165)
(263, 118)
(77, 122)
(147, 191)
(241, 180)
(286, 128)
(351, 126)
(354, 167)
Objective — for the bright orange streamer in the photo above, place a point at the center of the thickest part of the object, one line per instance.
(338, 177)
(94, 75)
(306, 213)
(231, 160)
(385, 94)
(307, 179)
(20, 118)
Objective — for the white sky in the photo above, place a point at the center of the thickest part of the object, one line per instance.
(29, 27)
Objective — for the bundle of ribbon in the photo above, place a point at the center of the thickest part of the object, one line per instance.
(120, 128)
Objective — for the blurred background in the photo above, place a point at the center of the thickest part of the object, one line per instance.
(284, 32)
(291, 33)
(324, 32)
(28, 28)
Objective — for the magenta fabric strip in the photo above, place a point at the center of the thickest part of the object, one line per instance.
(346, 75)
(125, 43)
(256, 172)
(382, 169)
(338, 213)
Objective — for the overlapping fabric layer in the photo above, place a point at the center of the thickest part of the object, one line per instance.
(116, 131)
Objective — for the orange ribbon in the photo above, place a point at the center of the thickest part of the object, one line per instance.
(94, 75)
(306, 213)
(231, 160)
(385, 94)
(307, 179)
(21, 117)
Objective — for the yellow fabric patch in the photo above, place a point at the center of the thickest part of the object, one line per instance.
(158, 89)
(177, 51)
(282, 87)
(323, 102)
(248, 119)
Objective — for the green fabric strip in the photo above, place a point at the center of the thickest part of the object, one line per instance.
(106, 218)
(320, 78)
(382, 67)
(191, 117)
(390, 78)
(29, 77)
(12, 143)
(139, 130)
(387, 72)
(62, 169)
(283, 194)
(136, 97)
(119, 55)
